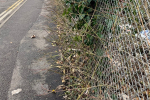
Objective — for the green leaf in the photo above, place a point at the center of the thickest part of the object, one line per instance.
(94, 0)
(81, 9)
(67, 2)
(73, 15)
(88, 35)
(100, 52)
(81, 16)
(87, 18)
(100, 35)
(114, 97)
(76, 8)
(69, 10)
(89, 10)
(64, 13)
(109, 24)
(89, 1)
(86, 25)
(77, 38)
(91, 40)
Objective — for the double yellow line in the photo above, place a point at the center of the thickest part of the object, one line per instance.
(10, 9)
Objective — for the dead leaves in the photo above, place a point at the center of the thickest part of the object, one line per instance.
(63, 81)
(59, 66)
(59, 88)
(53, 44)
(59, 62)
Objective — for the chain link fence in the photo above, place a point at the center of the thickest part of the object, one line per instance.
(105, 49)
(125, 70)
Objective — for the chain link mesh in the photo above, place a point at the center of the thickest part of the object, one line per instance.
(118, 67)
(124, 71)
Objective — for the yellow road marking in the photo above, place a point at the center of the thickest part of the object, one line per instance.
(12, 13)
(9, 8)
(13, 5)
(17, 4)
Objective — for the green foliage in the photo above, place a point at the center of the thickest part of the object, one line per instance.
(81, 10)
(77, 38)
(84, 11)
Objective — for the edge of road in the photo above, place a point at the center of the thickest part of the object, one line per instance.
(33, 75)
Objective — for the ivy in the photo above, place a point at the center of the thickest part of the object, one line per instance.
(83, 11)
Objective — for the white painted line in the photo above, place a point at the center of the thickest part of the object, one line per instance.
(12, 14)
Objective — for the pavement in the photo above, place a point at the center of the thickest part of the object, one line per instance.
(27, 70)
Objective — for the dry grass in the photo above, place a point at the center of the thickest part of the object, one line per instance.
(112, 69)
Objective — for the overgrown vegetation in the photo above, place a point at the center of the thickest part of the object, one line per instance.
(101, 49)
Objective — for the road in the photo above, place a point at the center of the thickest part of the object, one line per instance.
(15, 22)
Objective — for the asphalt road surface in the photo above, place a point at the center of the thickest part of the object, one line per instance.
(16, 18)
